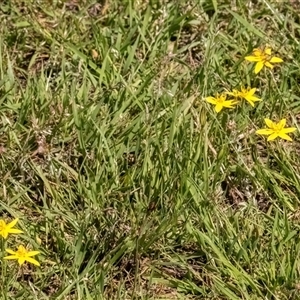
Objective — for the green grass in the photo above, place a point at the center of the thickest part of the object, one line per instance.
(120, 172)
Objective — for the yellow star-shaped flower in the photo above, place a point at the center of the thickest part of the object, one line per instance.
(276, 130)
(6, 229)
(245, 93)
(22, 255)
(263, 57)
(220, 101)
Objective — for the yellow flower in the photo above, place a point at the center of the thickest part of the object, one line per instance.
(22, 255)
(5, 229)
(220, 101)
(247, 94)
(276, 130)
(263, 57)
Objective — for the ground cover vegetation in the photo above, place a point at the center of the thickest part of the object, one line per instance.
(149, 149)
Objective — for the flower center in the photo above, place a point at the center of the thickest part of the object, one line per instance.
(265, 58)
(220, 99)
(244, 93)
(262, 55)
(277, 128)
(21, 253)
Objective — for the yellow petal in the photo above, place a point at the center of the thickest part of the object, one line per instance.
(12, 230)
(267, 64)
(264, 131)
(218, 107)
(13, 223)
(252, 91)
(32, 253)
(21, 260)
(275, 59)
(282, 123)
(269, 123)
(252, 98)
(258, 67)
(229, 103)
(10, 251)
(284, 136)
(250, 102)
(11, 257)
(33, 261)
(22, 249)
(252, 58)
(268, 51)
(211, 100)
(289, 129)
(4, 234)
(273, 136)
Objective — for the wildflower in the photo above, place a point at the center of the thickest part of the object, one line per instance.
(5, 229)
(245, 93)
(220, 101)
(22, 255)
(263, 57)
(276, 130)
